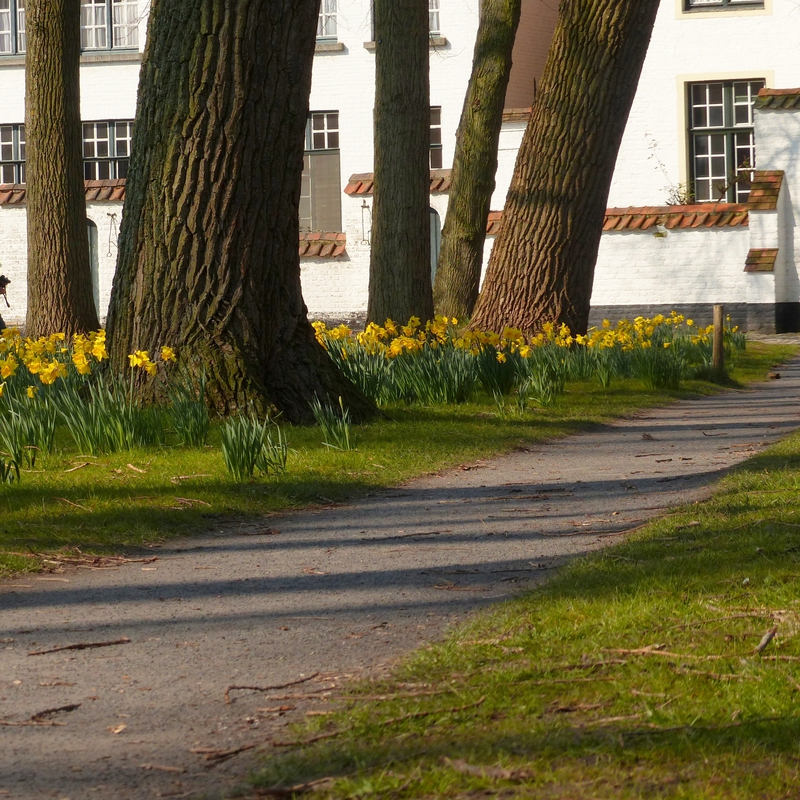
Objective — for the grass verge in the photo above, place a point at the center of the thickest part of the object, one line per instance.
(644, 670)
(111, 504)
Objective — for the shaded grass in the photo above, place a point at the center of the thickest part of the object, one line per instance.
(563, 705)
(111, 504)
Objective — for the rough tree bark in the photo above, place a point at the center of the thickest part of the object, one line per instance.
(542, 265)
(59, 274)
(400, 260)
(208, 258)
(458, 274)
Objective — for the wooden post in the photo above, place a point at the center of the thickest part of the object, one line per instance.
(718, 351)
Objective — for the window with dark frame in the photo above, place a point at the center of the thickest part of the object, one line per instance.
(321, 189)
(105, 25)
(436, 138)
(12, 153)
(713, 5)
(12, 27)
(106, 149)
(721, 139)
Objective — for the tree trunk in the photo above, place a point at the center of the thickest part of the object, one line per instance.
(475, 163)
(400, 260)
(59, 273)
(208, 258)
(542, 265)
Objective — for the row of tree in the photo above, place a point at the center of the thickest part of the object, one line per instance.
(208, 259)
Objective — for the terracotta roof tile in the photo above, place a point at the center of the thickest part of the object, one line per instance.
(364, 183)
(700, 215)
(322, 245)
(761, 260)
(778, 98)
(765, 189)
(96, 191)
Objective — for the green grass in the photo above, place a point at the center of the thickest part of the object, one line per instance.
(546, 696)
(111, 504)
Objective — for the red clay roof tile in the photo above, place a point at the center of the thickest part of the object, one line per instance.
(778, 99)
(364, 183)
(315, 244)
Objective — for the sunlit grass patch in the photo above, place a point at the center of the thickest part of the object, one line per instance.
(667, 665)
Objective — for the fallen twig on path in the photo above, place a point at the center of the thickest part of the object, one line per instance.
(162, 768)
(419, 714)
(80, 646)
(652, 651)
(717, 676)
(75, 505)
(216, 754)
(267, 688)
(60, 709)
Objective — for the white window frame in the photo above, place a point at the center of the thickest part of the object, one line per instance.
(110, 24)
(434, 19)
(328, 23)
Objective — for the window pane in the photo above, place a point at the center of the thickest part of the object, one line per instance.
(6, 143)
(7, 173)
(125, 23)
(434, 25)
(436, 158)
(326, 24)
(21, 37)
(5, 27)
(94, 24)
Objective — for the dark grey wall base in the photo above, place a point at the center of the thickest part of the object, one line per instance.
(757, 318)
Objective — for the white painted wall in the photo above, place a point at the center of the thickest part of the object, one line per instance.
(681, 266)
(690, 47)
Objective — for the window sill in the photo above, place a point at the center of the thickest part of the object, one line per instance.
(435, 43)
(329, 47)
(111, 56)
(92, 57)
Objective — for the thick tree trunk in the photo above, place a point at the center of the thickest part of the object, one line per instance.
(208, 259)
(59, 274)
(542, 265)
(475, 163)
(400, 261)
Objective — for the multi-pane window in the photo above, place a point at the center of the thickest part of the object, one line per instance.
(436, 137)
(321, 192)
(434, 25)
(700, 5)
(109, 23)
(326, 25)
(722, 143)
(106, 150)
(12, 26)
(12, 154)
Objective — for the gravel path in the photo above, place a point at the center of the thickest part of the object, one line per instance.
(339, 592)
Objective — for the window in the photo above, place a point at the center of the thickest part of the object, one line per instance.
(326, 25)
(433, 18)
(722, 144)
(104, 24)
(436, 137)
(12, 27)
(434, 25)
(109, 23)
(12, 154)
(321, 192)
(706, 5)
(106, 150)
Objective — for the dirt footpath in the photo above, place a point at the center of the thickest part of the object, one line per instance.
(321, 596)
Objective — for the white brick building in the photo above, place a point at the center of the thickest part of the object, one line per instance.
(691, 128)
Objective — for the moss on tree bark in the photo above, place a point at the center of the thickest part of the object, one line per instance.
(208, 259)
(59, 274)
